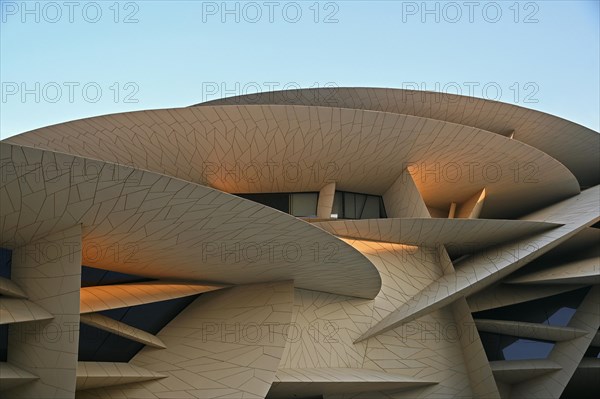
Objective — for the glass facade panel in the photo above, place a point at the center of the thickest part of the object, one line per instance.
(346, 205)
(371, 208)
(279, 201)
(349, 206)
(304, 204)
(357, 206)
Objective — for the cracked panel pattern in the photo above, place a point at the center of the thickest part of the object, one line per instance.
(477, 272)
(486, 205)
(147, 224)
(226, 344)
(574, 145)
(302, 148)
(49, 272)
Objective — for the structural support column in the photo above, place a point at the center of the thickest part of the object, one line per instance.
(471, 208)
(49, 272)
(403, 199)
(481, 378)
(481, 271)
(325, 204)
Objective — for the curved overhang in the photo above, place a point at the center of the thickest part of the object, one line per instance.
(572, 144)
(285, 148)
(151, 225)
(459, 235)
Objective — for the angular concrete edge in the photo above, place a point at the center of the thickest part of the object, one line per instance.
(122, 329)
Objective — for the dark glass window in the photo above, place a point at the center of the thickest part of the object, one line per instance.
(279, 201)
(304, 204)
(348, 205)
(297, 204)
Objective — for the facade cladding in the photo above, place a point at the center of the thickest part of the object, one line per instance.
(319, 243)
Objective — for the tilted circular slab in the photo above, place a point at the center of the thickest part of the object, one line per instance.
(459, 235)
(152, 225)
(572, 144)
(251, 149)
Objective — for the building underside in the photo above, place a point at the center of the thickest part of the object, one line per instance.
(319, 243)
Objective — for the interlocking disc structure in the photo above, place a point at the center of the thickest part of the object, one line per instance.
(317, 243)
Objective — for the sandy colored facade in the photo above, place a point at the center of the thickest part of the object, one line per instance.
(334, 243)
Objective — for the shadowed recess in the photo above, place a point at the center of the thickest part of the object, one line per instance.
(555, 310)
(506, 347)
(346, 205)
(92, 276)
(593, 351)
(583, 384)
(102, 346)
(5, 263)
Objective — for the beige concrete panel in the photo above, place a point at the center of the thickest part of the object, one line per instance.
(323, 329)
(471, 209)
(121, 329)
(427, 348)
(227, 343)
(9, 288)
(582, 271)
(362, 151)
(325, 324)
(325, 204)
(308, 382)
(574, 145)
(480, 373)
(476, 273)
(49, 272)
(146, 224)
(505, 294)
(374, 315)
(516, 371)
(405, 270)
(14, 310)
(403, 200)
(529, 330)
(458, 235)
(576, 247)
(104, 374)
(12, 376)
(104, 297)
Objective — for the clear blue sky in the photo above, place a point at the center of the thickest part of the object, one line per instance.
(542, 55)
